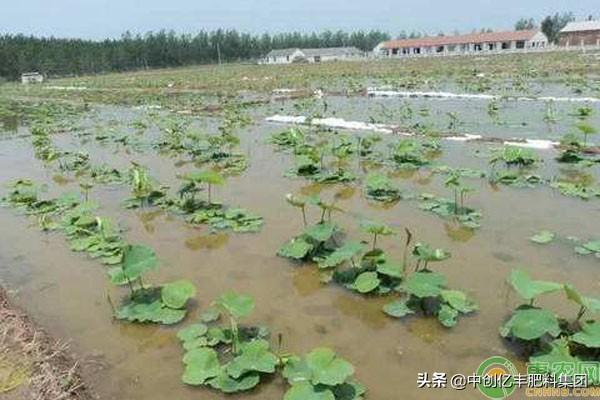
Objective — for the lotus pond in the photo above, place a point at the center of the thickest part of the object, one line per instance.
(188, 246)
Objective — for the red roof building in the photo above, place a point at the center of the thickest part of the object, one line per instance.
(463, 44)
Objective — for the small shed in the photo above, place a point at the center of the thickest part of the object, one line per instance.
(283, 56)
(581, 33)
(333, 54)
(31, 77)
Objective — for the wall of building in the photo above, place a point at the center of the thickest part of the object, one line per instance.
(588, 38)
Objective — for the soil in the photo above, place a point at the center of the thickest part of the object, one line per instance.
(34, 366)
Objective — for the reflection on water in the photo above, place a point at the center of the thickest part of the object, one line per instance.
(367, 310)
(307, 280)
(209, 242)
(458, 232)
(148, 219)
(427, 329)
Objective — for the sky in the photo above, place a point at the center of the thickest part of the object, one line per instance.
(98, 19)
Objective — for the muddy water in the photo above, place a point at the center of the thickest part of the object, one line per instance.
(67, 292)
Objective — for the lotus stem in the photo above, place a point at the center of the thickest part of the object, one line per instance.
(304, 216)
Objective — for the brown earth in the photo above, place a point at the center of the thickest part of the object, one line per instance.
(33, 366)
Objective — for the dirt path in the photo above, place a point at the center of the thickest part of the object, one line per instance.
(33, 366)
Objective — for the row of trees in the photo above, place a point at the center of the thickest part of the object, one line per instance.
(62, 57)
(551, 25)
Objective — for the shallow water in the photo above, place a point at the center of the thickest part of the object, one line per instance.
(67, 292)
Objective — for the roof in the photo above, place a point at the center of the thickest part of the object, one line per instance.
(282, 52)
(581, 26)
(460, 39)
(331, 51)
(30, 74)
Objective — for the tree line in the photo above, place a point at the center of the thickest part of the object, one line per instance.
(66, 57)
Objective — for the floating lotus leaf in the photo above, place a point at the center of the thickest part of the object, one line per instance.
(593, 246)
(176, 294)
(255, 356)
(366, 282)
(530, 324)
(138, 259)
(321, 232)
(306, 391)
(296, 248)
(150, 312)
(459, 301)
(528, 288)
(589, 335)
(237, 305)
(297, 370)
(341, 255)
(447, 315)
(192, 332)
(200, 365)
(390, 269)
(543, 237)
(227, 384)
(424, 284)
(327, 368)
(397, 309)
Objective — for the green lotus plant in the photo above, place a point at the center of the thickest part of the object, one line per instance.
(376, 229)
(209, 178)
(546, 335)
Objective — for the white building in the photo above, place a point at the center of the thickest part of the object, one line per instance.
(32, 77)
(491, 42)
(287, 56)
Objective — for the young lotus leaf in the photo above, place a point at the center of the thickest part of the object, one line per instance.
(425, 252)
(390, 269)
(366, 282)
(341, 255)
(192, 332)
(212, 177)
(327, 368)
(376, 228)
(397, 309)
(589, 335)
(255, 356)
(227, 384)
(306, 391)
(321, 232)
(543, 237)
(176, 294)
(530, 324)
(589, 303)
(200, 365)
(447, 315)
(297, 248)
(237, 305)
(424, 284)
(528, 288)
(138, 259)
(459, 301)
(211, 314)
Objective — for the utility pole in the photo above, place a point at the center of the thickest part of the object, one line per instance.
(219, 53)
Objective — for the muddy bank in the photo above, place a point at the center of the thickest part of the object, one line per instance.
(34, 366)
